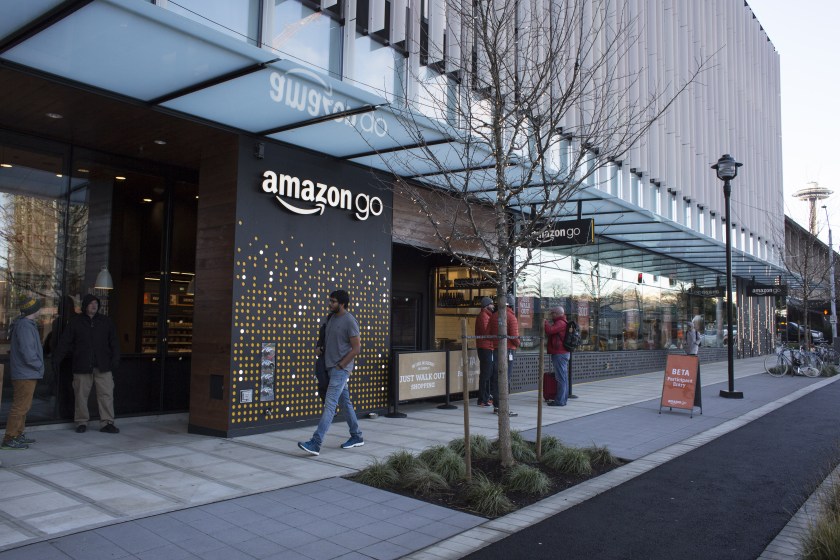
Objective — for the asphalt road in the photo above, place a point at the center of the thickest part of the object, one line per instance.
(724, 500)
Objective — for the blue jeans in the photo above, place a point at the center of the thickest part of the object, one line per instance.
(561, 374)
(337, 395)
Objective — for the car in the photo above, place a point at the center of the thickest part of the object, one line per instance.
(794, 332)
(710, 338)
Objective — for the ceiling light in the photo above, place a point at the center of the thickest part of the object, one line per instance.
(119, 178)
(83, 170)
(147, 200)
(55, 116)
(59, 175)
(5, 164)
(160, 142)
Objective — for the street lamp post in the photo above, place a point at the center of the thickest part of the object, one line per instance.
(727, 169)
(831, 279)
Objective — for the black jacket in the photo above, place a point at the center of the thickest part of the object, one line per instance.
(92, 341)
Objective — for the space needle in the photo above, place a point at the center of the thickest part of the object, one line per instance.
(811, 194)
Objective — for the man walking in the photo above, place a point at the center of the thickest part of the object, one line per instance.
(555, 329)
(485, 348)
(26, 361)
(341, 345)
(92, 338)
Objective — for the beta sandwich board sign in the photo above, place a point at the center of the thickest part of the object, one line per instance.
(681, 384)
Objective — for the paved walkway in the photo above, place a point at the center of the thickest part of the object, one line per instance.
(155, 491)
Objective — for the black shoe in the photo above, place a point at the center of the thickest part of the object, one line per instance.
(109, 429)
(81, 428)
(511, 413)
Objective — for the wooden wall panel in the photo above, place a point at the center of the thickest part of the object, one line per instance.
(214, 287)
(412, 226)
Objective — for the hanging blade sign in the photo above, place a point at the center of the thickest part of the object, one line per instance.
(565, 233)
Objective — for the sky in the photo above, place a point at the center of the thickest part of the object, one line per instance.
(805, 34)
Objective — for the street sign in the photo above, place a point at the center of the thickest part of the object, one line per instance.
(565, 233)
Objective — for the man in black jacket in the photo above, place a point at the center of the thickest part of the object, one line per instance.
(92, 338)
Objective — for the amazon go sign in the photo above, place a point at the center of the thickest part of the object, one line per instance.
(304, 196)
(571, 232)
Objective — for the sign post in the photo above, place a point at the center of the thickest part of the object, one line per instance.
(681, 384)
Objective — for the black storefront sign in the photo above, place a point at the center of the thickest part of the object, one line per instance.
(757, 290)
(711, 291)
(565, 233)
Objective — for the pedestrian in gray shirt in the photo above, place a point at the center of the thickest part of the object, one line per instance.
(26, 361)
(341, 346)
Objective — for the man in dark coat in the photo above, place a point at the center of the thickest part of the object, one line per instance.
(92, 338)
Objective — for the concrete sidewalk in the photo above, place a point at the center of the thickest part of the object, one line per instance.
(154, 491)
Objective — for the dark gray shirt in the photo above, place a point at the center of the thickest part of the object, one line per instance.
(340, 329)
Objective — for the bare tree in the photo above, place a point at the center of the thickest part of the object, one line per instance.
(806, 259)
(535, 100)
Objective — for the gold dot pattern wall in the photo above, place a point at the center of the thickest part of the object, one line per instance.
(281, 287)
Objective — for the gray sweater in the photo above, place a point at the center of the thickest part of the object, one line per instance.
(27, 355)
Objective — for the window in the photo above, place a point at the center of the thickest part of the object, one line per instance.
(237, 18)
(380, 69)
(308, 37)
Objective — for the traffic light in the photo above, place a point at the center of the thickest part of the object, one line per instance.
(639, 279)
(825, 311)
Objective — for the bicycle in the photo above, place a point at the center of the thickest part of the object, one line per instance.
(827, 354)
(795, 362)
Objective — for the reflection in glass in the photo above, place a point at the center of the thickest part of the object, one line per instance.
(35, 220)
(378, 69)
(237, 18)
(308, 37)
(615, 307)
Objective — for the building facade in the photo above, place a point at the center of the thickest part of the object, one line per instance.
(231, 162)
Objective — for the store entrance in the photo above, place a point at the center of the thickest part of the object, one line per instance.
(146, 235)
(405, 321)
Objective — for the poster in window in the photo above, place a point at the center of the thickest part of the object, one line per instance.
(267, 373)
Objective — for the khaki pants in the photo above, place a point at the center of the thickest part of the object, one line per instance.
(104, 381)
(22, 391)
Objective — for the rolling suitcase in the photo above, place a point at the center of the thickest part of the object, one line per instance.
(549, 387)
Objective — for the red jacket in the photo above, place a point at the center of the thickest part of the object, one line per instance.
(512, 328)
(556, 334)
(482, 328)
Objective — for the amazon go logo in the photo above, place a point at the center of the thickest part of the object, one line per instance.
(303, 196)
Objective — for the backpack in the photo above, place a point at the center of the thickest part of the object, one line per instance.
(572, 339)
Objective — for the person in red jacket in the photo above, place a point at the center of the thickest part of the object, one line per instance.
(555, 330)
(485, 348)
(512, 342)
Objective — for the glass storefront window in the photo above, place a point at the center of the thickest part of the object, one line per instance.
(35, 220)
(617, 308)
(379, 69)
(310, 38)
(237, 18)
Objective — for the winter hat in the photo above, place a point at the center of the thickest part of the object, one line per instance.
(28, 305)
(485, 301)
